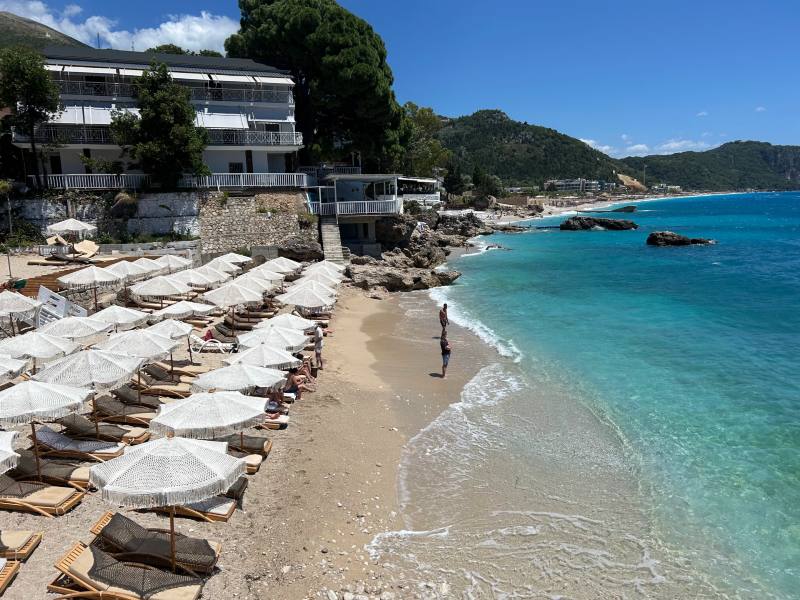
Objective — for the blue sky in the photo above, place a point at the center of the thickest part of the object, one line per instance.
(629, 77)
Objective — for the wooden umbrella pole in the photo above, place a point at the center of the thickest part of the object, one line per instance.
(139, 384)
(172, 535)
(36, 451)
(189, 346)
(95, 297)
(94, 415)
(171, 367)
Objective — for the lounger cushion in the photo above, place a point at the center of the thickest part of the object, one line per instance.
(14, 540)
(253, 461)
(60, 442)
(216, 505)
(50, 496)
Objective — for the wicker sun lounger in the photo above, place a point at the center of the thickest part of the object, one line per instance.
(8, 570)
(185, 368)
(80, 427)
(251, 444)
(214, 509)
(17, 544)
(164, 374)
(128, 395)
(121, 536)
(112, 410)
(55, 472)
(89, 572)
(40, 498)
(57, 445)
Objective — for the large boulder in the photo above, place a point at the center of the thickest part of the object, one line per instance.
(581, 223)
(625, 209)
(394, 279)
(301, 250)
(424, 250)
(394, 231)
(465, 224)
(670, 238)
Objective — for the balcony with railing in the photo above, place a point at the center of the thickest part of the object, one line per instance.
(136, 181)
(359, 207)
(252, 137)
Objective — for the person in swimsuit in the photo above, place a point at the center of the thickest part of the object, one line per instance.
(295, 385)
(446, 349)
(443, 320)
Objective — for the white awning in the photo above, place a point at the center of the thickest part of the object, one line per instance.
(71, 115)
(56, 68)
(273, 80)
(221, 121)
(90, 70)
(96, 115)
(189, 76)
(232, 78)
(131, 72)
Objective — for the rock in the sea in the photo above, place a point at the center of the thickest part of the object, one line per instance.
(465, 224)
(670, 238)
(580, 223)
(301, 250)
(625, 209)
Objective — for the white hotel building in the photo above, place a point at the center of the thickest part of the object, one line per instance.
(246, 107)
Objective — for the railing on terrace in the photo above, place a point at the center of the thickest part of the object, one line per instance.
(362, 207)
(246, 137)
(96, 181)
(81, 134)
(135, 181)
(423, 199)
(198, 94)
(244, 180)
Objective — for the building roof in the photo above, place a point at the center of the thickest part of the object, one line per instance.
(122, 58)
(366, 178)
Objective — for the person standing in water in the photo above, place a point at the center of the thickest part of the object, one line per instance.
(446, 349)
(443, 320)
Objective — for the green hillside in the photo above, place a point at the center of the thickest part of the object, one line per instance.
(520, 153)
(732, 166)
(19, 31)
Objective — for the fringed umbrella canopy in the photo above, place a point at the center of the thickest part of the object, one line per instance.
(11, 367)
(285, 263)
(36, 344)
(264, 356)
(76, 328)
(255, 284)
(162, 286)
(171, 328)
(238, 377)
(8, 457)
(34, 400)
(183, 309)
(278, 337)
(152, 266)
(234, 258)
(325, 264)
(277, 267)
(224, 266)
(172, 262)
(121, 317)
(232, 294)
(306, 298)
(315, 286)
(266, 274)
(142, 343)
(209, 415)
(196, 278)
(288, 321)
(213, 274)
(97, 369)
(167, 472)
(128, 270)
(322, 276)
(13, 304)
(72, 226)
(90, 277)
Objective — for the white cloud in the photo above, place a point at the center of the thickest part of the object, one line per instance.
(193, 32)
(604, 148)
(761, 109)
(681, 145)
(625, 137)
(637, 149)
(702, 113)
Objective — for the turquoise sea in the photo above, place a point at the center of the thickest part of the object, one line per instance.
(690, 356)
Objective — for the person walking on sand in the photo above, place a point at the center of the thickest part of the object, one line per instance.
(446, 349)
(319, 341)
(443, 320)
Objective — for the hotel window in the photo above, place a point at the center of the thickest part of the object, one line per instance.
(235, 167)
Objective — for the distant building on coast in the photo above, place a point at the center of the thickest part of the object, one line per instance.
(583, 186)
(663, 188)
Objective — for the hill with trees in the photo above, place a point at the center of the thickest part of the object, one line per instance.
(19, 31)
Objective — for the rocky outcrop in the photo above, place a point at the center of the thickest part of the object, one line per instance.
(398, 279)
(301, 249)
(580, 223)
(395, 231)
(625, 209)
(466, 225)
(669, 238)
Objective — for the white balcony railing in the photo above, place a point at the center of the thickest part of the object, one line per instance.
(96, 181)
(249, 137)
(245, 180)
(423, 199)
(135, 181)
(363, 207)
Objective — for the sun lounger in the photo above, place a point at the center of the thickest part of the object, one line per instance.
(155, 387)
(164, 374)
(250, 444)
(80, 427)
(200, 345)
(54, 444)
(214, 509)
(89, 572)
(55, 472)
(185, 368)
(279, 422)
(35, 497)
(237, 490)
(119, 535)
(86, 249)
(127, 395)
(18, 544)
(241, 324)
(113, 411)
(8, 570)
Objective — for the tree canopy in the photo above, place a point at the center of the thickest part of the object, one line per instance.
(423, 152)
(163, 139)
(343, 85)
(174, 49)
(28, 90)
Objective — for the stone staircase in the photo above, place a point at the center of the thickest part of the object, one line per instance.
(331, 240)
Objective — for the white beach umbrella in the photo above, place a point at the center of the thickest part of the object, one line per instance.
(37, 345)
(162, 286)
(238, 377)
(272, 265)
(213, 274)
(277, 337)
(183, 309)
(71, 226)
(11, 367)
(76, 328)
(266, 275)
(322, 276)
(8, 456)
(196, 278)
(253, 283)
(13, 304)
(152, 266)
(234, 258)
(121, 317)
(223, 265)
(232, 294)
(167, 472)
(97, 369)
(325, 264)
(128, 270)
(90, 278)
(142, 343)
(173, 263)
(315, 286)
(171, 328)
(285, 263)
(288, 321)
(264, 356)
(306, 298)
(209, 415)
